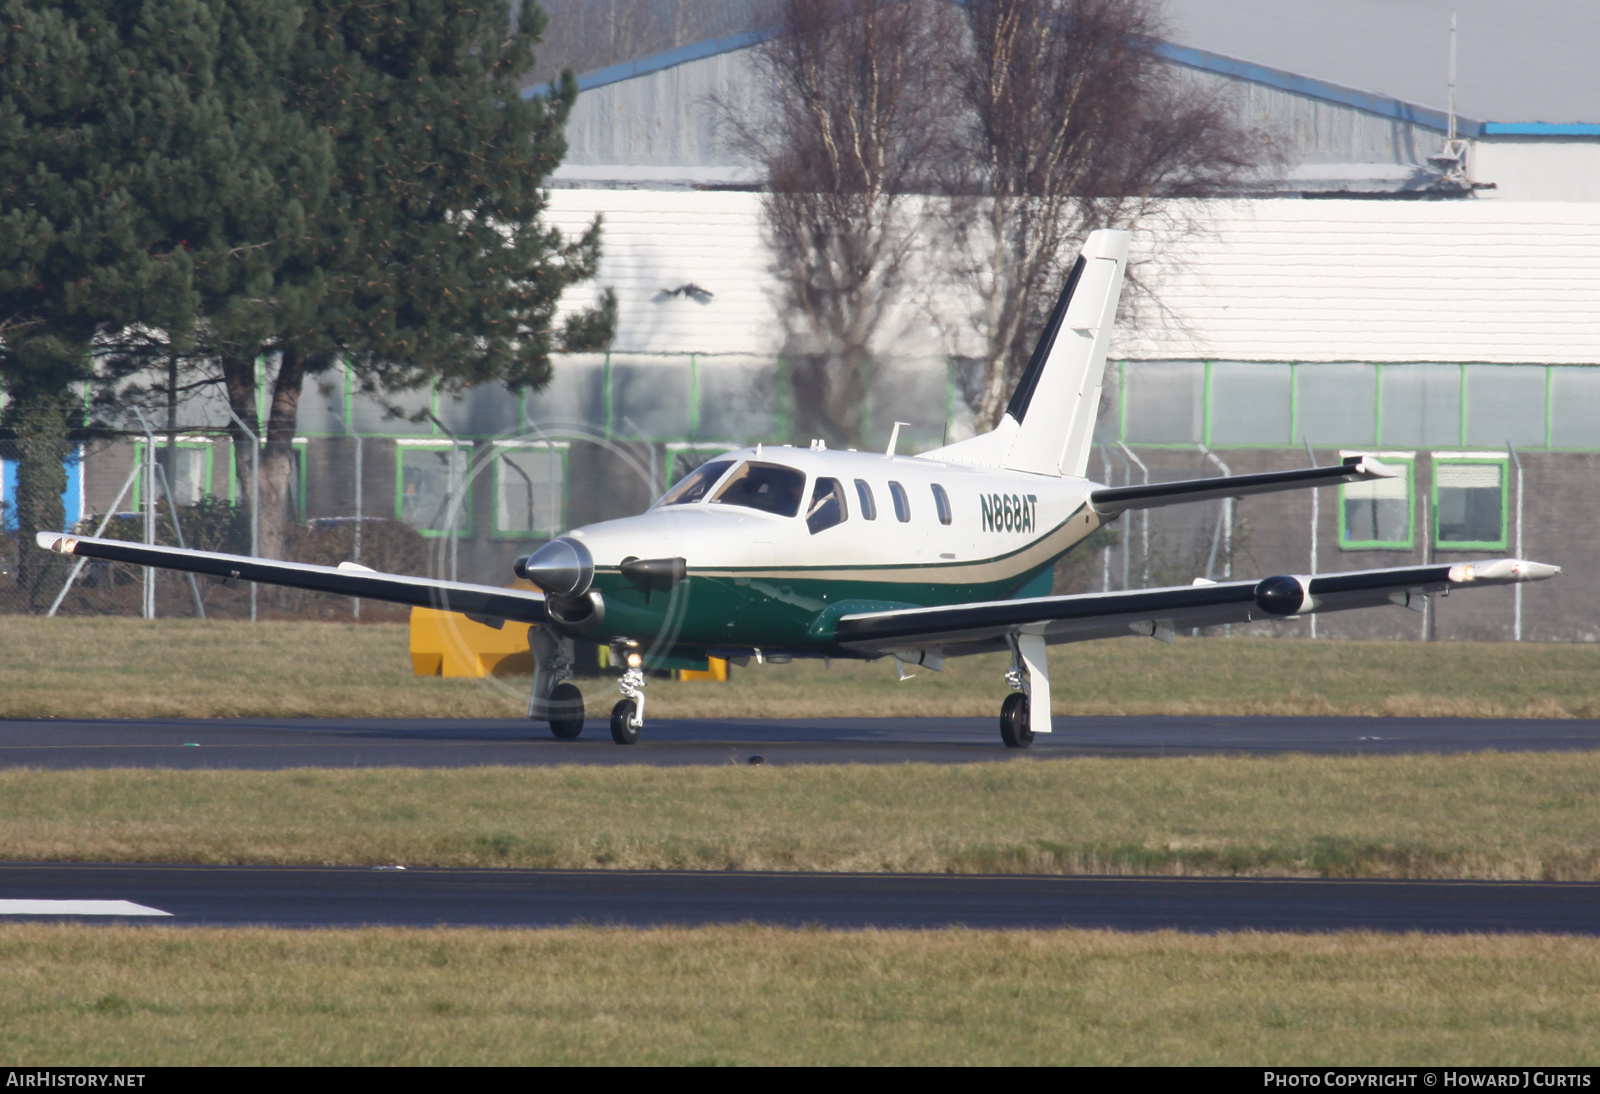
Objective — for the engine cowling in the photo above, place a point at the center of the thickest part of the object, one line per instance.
(1284, 595)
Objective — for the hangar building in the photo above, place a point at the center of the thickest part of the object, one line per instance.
(1361, 300)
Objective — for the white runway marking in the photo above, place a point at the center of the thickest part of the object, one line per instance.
(76, 907)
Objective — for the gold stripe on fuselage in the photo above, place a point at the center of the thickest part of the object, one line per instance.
(1054, 543)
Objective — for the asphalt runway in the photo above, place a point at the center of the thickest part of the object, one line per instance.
(269, 744)
(351, 897)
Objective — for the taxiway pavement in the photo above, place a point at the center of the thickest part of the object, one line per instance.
(350, 897)
(269, 744)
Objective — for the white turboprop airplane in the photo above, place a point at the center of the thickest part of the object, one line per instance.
(778, 552)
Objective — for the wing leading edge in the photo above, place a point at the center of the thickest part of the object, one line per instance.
(520, 605)
(1159, 612)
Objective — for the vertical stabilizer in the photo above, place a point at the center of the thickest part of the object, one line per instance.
(1058, 396)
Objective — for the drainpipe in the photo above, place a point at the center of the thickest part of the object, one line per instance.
(255, 499)
(355, 551)
(1516, 625)
(1144, 519)
(1316, 507)
(454, 507)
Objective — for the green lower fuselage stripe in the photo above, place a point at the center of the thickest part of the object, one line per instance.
(772, 610)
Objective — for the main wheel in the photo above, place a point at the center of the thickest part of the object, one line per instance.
(623, 731)
(1014, 729)
(566, 711)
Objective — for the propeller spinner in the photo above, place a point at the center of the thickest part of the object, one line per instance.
(562, 567)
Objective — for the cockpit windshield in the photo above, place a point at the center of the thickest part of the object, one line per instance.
(694, 485)
(769, 487)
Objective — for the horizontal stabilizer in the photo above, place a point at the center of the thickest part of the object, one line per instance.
(1115, 499)
(347, 579)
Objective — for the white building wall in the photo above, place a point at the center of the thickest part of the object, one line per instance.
(1327, 280)
(1538, 168)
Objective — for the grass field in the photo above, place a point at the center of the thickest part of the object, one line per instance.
(120, 668)
(1527, 815)
(133, 997)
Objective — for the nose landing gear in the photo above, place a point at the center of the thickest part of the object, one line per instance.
(627, 717)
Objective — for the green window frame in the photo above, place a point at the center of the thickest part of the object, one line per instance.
(502, 480)
(1359, 491)
(1441, 466)
(464, 523)
(190, 444)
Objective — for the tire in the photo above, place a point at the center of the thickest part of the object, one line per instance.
(623, 731)
(1014, 729)
(566, 711)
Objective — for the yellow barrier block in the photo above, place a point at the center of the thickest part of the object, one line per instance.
(450, 644)
(718, 671)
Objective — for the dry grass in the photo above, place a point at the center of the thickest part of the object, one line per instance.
(135, 997)
(1528, 815)
(118, 668)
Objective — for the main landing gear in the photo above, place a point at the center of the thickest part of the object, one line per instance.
(552, 698)
(1027, 710)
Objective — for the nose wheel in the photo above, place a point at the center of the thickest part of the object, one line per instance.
(1014, 729)
(625, 722)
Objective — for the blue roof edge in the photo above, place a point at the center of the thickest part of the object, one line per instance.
(1541, 129)
(644, 66)
(1383, 105)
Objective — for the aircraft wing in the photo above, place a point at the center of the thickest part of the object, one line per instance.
(520, 605)
(975, 628)
(1115, 499)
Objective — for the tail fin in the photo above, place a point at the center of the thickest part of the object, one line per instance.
(1048, 427)
(1058, 397)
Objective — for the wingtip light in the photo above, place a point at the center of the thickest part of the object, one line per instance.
(55, 541)
(1502, 570)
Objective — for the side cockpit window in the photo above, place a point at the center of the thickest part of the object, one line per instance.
(902, 504)
(769, 487)
(827, 506)
(695, 485)
(869, 504)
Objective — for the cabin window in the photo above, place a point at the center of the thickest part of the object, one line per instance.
(827, 506)
(902, 504)
(769, 487)
(941, 502)
(869, 506)
(696, 484)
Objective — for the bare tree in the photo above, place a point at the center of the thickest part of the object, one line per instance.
(853, 107)
(1074, 123)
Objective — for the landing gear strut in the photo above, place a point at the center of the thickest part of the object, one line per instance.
(1027, 710)
(551, 698)
(627, 717)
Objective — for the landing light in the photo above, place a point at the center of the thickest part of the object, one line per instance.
(634, 660)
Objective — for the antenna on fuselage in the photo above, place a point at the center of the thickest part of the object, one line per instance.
(894, 438)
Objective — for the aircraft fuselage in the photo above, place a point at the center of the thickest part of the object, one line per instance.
(910, 532)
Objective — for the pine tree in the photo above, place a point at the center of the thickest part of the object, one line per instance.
(428, 261)
(99, 101)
